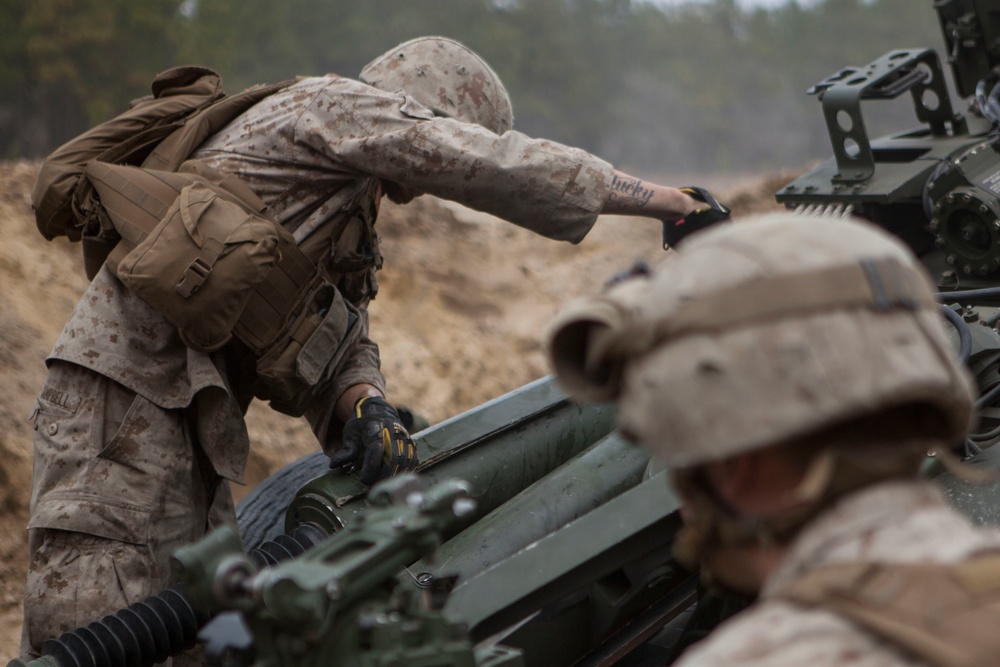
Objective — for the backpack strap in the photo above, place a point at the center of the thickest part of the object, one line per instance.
(176, 94)
(172, 151)
(162, 147)
(945, 614)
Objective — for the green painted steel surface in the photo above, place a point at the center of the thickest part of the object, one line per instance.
(335, 605)
(598, 572)
(499, 448)
(603, 471)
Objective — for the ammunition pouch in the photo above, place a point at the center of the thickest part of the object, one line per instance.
(159, 131)
(199, 264)
(198, 247)
(321, 329)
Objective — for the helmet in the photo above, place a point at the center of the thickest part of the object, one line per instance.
(763, 332)
(447, 78)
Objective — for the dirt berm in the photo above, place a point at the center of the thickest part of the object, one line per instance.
(463, 300)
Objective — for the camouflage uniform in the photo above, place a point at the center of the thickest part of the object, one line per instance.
(894, 522)
(135, 432)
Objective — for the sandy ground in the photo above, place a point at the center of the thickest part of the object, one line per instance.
(463, 301)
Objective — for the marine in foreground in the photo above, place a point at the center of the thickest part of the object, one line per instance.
(793, 374)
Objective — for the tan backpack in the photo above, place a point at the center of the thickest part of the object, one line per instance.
(196, 244)
(947, 615)
(158, 131)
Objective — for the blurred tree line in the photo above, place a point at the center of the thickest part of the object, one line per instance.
(653, 89)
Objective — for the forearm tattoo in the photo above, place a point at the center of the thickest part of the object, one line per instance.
(628, 193)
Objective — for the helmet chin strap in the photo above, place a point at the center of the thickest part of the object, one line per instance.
(714, 525)
(964, 471)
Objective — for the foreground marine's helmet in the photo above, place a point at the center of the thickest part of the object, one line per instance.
(446, 77)
(763, 332)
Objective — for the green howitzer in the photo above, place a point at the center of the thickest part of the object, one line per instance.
(935, 184)
(352, 600)
(340, 602)
(570, 530)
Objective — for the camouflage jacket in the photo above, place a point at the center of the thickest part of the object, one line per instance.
(310, 151)
(899, 522)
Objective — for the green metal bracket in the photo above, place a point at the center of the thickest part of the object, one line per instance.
(916, 71)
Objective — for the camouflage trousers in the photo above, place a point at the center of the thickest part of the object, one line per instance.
(118, 485)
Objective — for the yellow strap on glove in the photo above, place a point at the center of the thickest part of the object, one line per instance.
(375, 442)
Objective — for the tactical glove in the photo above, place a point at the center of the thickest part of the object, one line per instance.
(700, 218)
(375, 442)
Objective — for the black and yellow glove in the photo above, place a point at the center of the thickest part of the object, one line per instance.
(375, 442)
(700, 218)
